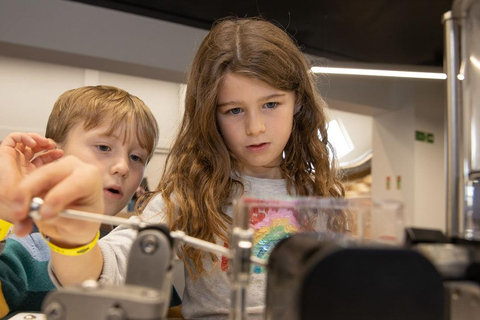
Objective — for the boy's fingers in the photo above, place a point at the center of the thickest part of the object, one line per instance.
(47, 157)
(28, 139)
(43, 144)
(28, 143)
(18, 137)
(68, 182)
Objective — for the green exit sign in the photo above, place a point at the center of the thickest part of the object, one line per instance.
(424, 136)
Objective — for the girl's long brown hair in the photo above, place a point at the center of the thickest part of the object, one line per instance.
(198, 184)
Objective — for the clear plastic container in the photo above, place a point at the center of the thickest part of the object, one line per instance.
(361, 219)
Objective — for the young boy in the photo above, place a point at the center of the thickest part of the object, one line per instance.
(102, 126)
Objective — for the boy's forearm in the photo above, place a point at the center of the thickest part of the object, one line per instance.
(74, 270)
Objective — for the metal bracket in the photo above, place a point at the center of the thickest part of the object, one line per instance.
(145, 295)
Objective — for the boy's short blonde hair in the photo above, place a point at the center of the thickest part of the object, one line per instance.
(100, 105)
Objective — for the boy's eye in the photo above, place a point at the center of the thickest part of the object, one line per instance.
(135, 158)
(270, 105)
(235, 111)
(103, 148)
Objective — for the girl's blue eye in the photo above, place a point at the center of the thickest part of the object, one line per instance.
(235, 110)
(103, 148)
(271, 105)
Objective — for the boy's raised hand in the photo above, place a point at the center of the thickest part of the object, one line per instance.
(28, 169)
(17, 159)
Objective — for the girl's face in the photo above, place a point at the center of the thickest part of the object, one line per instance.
(256, 121)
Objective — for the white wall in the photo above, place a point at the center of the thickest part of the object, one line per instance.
(29, 89)
(394, 156)
(81, 35)
(399, 107)
(430, 165)
(419, 165)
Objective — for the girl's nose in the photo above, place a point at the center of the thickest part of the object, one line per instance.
(255, 125)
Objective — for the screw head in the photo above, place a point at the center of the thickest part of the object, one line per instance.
(149, 244)
(115, 313)
(54, 311)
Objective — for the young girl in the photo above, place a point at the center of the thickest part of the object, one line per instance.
(251, 126)
(251, 119)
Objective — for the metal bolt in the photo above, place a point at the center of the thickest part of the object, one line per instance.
(54, 311)
(35, 207)
(115, 313)
(89, 285)
(455, 295)
(149, 244)
(475, 300)
(149, 293)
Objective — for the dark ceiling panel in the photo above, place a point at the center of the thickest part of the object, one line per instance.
(407, 32)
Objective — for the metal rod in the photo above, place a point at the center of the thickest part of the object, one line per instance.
(116, 221)
(85, 216)
(238, 309)
(453, 137)
(201, 244)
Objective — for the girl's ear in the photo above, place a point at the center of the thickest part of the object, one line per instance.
(298, 103)
(298, 106)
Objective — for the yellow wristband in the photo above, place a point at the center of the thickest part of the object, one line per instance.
(73, 251)
(5, 229)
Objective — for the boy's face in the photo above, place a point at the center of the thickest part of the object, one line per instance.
(122, 163)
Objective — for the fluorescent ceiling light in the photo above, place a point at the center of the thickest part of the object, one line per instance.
(381, 73)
